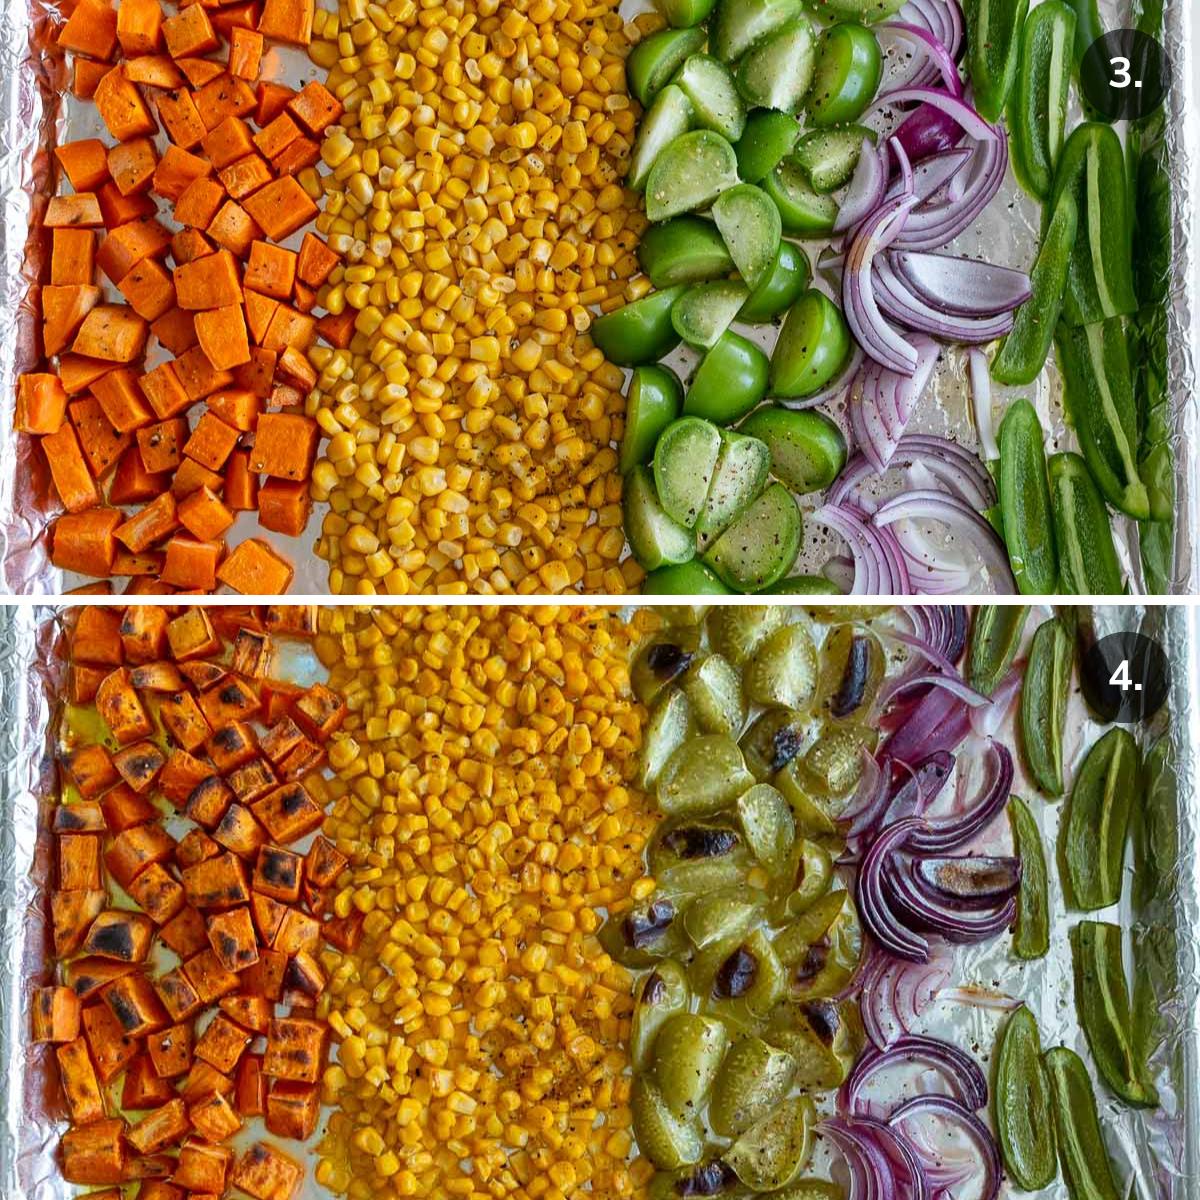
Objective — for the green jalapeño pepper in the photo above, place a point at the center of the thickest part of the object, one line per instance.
(1025, 513)
(640, 332)
(1100, 404)
(1045, 690)
(1102, 1001)
(1096, 822)
(730, 380)
(1037, 105)
(1031, 932)
(1024, 1120)
(1100, 275)
(1087, 558)
(995, 638)
(1081, 1150)
(1023, 351)
(994, 44)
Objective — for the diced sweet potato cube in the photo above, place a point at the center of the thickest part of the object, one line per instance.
(84, 162)
(86, 976)
(182, 716)
(91, 29)
(223, 96)
(139, 764)
(122, 108)
(244, 176)
(231, 935)
(80, 1085)
(176, 329)
(86, 74)
(72, 260)
(216, 883)
(113, 333)
(112, 1049)
(250, 1096)
(157, 1189)
(170, 1050)
(143, 634)
(118, 395)
(91, 767)
(239, 832)
(295, 1049)
(245, 53)
(292, 1109)
(210, 979)
(72, 914)
(284, 506)
(123, 808)
(250, 1012)
(83, 541)
(55, 1014)
(160, 896)
(190, 32)
(121, 708)
(263, 1171)
(200, 202)
(285, 445)
(278, 873)
(324, 863)
(178, 995)
(176, 172)
(143, 1087)
(153, 70)
(233, 230)
(271, 270)
(320, 711)
(134, 850)
(41, 401)
(177, 111)
(209, 801)
(203, 515)
(134, 1003)
(78, 816)
(281, 739)
(254, 569)
(94, 1154)
(222, 1043)
(204, 1080)
(209, 282)
(202, 1168)
(128, 244)
(228, 141)
(102, 445)
(182, 775)
(79, 862)
(303, 977)
(161, 445)
(214, 1118)
(131, 165)
(251, 781)
(69, 470)
(230, 700)
(281, 208)
(297, 931)
(195, 847)
(161, 1127)
(149, 290)
(149, 524)
(315, 107)
(288, 813)
(191, 635)
(139, 26)
(274, 138)
(232, 746)
(121, 935)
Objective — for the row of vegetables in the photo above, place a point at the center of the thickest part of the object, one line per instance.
(760, 128)
(815, 874)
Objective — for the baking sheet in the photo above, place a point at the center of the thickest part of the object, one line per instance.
(1160, 1149)
(35, 112)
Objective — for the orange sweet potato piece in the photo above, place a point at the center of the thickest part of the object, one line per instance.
(132, 1001)
(188, 245)
(212, 442)
(80, 1085)
(189, 33)
(237, 407)
(161, 445)
(260, 312)
(96, 636)
(266, 1173)
(133, 850)
(175, 171)
(177, 112)
(131, 165)
(153, 70)
(129, 243)
(160, 1127)
(203, 1168)
(72, 914)
(241, 487)
(69, 470)
(137, 567)
(139, 26)
(55, 1014)
(233, 229)
(222, 335)
(275, 138)
(192, 475)
(159, 896)
(256, 376)
(102, 445)
(315, 107)
(204, 516)
(91, 29)
(142, 1088)
(149, 290)
(214, 1118)
(79, 211)
(315, 261)
(227, 142)
(139, 764)
(285, 445)
(243, 15)
(271, 270)
(63, 312)
(123, 808)
(284, 507)
(83, 541)
(85, 163)
(164, 390)
(122, 108)
(209, 282)
(191, 564)
(254, 569)
(288, 328)
(41, 403)
(245, 53)
(288, 21)
(337, 330)
(223, 96)
(120, 210)
(198, 376)
(113, 333)
(281, 208)
(86, 73)
(95, 1153)
(121, 707)
(73, 256)
(246, 175)
(295, 369)
(120, 935)
(201, 200)
(149, 524)
(170, 1050)
(119, 396)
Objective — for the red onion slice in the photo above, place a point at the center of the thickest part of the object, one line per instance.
(986, 721)
(874, 905)
(956, 468)
(943, 18)
(964, 286)
(939, 722)
(951, 683)
(981, 402)
(879, 568)
(931, 59)
(895, 994)
(898, 301)
(868, 184)
(976, 1132)
(957, 1068)
(913, 907)
(887, 403)
(958, 110)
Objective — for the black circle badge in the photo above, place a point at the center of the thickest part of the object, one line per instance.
(1125, 677)
(1124, 75)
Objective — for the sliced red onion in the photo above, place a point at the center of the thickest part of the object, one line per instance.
(967, 881)
(868, 184)
(934, 574)
(942, 627)
(915, 909)
(878, 566)
(943, 18)
(960, 517)
(888, 401)
(976, 1132)
(981, 402)
(956, 468)
(869, 1170)
(875, 908)
(895, 993)
(841, 381)
(951, 683)
(977, 997)
(927, 132)
(957, 1068)
(986, 721)
(930, 60)
(940, 837)
(939, 722)
(920, 789)
(872, 332)
(930, 653)
(958, 110)
(899, 302)
(964, 286)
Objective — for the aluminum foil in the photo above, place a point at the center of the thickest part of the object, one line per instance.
(1158, 1149)
(36, 111)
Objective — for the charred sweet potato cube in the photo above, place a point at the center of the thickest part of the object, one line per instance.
(295, 620)
(217, 882)
(195, 846)
(112, 1049)
(344, 932)
(305, 757)
(252, 781)
(133, 1001)
(158, 895)
(96, 637)
(268, 915)
(139, 765)
(267, 1174)
(281, 739)
(265, 978)
(292, 1109)
(179, 997)
(191, 636)
(185, 933)
(123, 808)
(231, 935)
(86, 976)
(232, 746)
(156, 677)
(231, 700)
(204, 1080)
(250, 1091)
(214, 1118)
(121, 935)
(94, 1154)
(209, 802)
(55, 1014)
(182, 775)
(202, 1167)
(143, 1087)
(121, 707)
(252, 654)
(240, 832)
(288, 813)
(84, 816)
(295, 1049)
(184, 721)
(79, 862)
(209, 977)
(135, 849)
(324, 862)
(161, 1127)
(144, 633)
(82, 681)
(201, 674)
(319, 711)
(71, 915)
(170, 1050)
(158, 1189)
(79, 1083)
(278, 873)
(222, 1044)
(250, 1012)
(303, 977)
(297, 931)
(91, 770)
